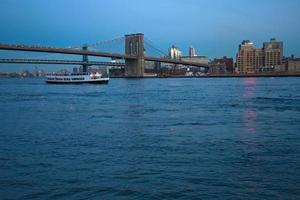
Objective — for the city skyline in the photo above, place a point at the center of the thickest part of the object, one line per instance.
(214, 28)
(173, 53)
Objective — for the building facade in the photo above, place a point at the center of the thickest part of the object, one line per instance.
(174, 53)
(249, 59)
(273, 55)
(222, 65)
(258, 60)
(192, 52)
(292, 64)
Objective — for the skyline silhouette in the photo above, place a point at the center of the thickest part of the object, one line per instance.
(215, 28)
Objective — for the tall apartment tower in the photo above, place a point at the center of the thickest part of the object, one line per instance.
(248, 58)
(255, 60)
(192, 52)
(273, 54)
(174, 53)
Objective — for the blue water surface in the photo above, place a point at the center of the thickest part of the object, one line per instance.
(219, 138)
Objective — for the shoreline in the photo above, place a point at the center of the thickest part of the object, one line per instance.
(221, 76)
(207, 76)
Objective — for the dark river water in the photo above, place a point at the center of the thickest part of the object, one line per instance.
(235, 138)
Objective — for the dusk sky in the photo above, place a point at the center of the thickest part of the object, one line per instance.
(214, 27)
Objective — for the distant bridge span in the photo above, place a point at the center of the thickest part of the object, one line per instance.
(64, 51)
(174, 61)
(63, 62)
(91, 53)
(134, 55)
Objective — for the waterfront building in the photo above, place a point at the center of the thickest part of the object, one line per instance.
(224, 65)
(292, 64)
(256, 60)
(217, 68)
(192, 52)
(273, 53)
(174, 53)
(249, 59)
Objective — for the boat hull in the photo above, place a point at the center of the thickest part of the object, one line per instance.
(76, 79)
(79, 82)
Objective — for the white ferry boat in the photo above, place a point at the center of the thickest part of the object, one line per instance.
(72, 78)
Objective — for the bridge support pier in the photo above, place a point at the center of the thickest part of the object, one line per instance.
(134, 45)
(85, 60)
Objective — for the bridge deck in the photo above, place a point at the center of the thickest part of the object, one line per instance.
(64, 62)
(173, 61)
(93, 53)
(64, 51)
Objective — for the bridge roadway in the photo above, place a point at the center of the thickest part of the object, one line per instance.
(64, 62)
(174, 61)
(94, 53)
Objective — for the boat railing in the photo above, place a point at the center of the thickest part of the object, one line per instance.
(68, 74)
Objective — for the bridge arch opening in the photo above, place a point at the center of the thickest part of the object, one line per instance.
(134, 45)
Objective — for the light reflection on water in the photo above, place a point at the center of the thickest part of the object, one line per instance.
(250, 114)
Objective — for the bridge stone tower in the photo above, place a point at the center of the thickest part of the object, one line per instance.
(134, 45)
(85, 59)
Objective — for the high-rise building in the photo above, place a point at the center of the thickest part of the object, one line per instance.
(249, 59)
(174, 53)
(192, 52)
(273, 51)
(254, 60)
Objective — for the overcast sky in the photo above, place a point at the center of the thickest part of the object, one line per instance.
(214, 27)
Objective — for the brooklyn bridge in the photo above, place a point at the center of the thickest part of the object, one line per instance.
(134, 55)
